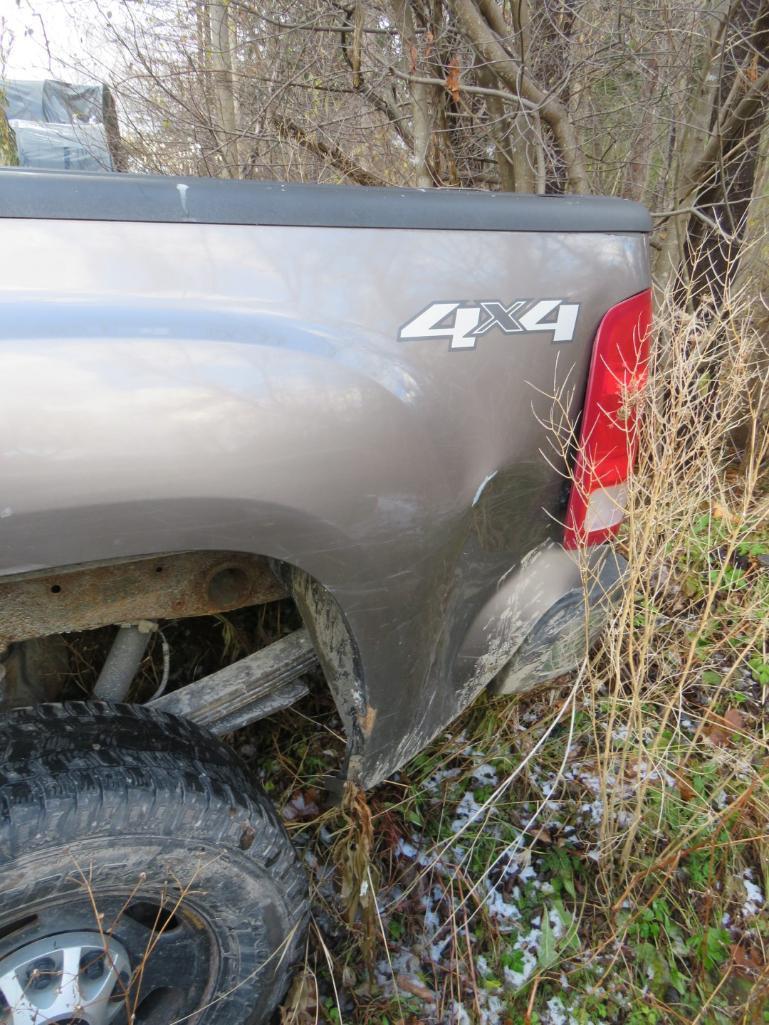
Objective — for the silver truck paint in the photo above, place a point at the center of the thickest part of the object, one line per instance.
(196, 386)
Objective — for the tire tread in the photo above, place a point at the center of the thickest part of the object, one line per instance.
(78, 769)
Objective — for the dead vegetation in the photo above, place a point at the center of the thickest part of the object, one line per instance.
(595, 853)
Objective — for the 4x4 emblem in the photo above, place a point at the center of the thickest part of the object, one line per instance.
(463, 323)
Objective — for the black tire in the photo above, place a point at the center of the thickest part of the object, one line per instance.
(149, 821)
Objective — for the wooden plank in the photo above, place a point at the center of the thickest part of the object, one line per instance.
(249, 689)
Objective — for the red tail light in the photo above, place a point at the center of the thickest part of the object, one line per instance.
(608, 441)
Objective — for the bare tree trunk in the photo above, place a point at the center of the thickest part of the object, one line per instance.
(221, 58)
(205, 128)
(687, 157)
(528, 149)
(422, 134)
(421, 95)
(509, 172)
(639, 156)
(717, 230)
(518, 79)
(112, 129)
(9, 155)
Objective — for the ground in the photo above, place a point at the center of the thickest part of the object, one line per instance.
(589, 854)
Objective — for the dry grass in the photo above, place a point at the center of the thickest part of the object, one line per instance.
(597, 853)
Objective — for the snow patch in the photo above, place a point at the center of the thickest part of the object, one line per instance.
(754, 896)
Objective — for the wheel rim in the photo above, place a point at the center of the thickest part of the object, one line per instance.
(144, 961)
(69, 977)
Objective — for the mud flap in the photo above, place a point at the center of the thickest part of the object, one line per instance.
(561, 638)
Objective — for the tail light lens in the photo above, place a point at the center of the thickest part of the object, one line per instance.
(608, 435)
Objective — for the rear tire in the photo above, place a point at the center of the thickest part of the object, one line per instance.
(133, 838)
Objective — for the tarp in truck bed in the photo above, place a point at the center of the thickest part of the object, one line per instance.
(58, 125)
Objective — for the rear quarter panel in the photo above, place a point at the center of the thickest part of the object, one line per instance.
(183, 386)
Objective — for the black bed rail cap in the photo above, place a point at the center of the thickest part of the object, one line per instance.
(81, 196)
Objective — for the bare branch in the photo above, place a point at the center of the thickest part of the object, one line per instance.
(326, 149)
(520, 81)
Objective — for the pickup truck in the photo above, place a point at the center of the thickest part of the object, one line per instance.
(216, 394)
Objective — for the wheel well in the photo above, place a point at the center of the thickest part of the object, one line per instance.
(42, 612)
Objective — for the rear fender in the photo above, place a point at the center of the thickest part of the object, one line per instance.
(148, 418)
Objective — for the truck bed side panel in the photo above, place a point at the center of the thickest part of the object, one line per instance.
(201, 386)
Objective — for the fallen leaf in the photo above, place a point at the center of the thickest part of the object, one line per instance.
(541, 836)
(747, 962)
(247, 837)
(300, 808)
(724, 727)
(720, 512)
(717, 737)
(300, 1004)
(685, 789)
(415, 987)
(735, 718)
